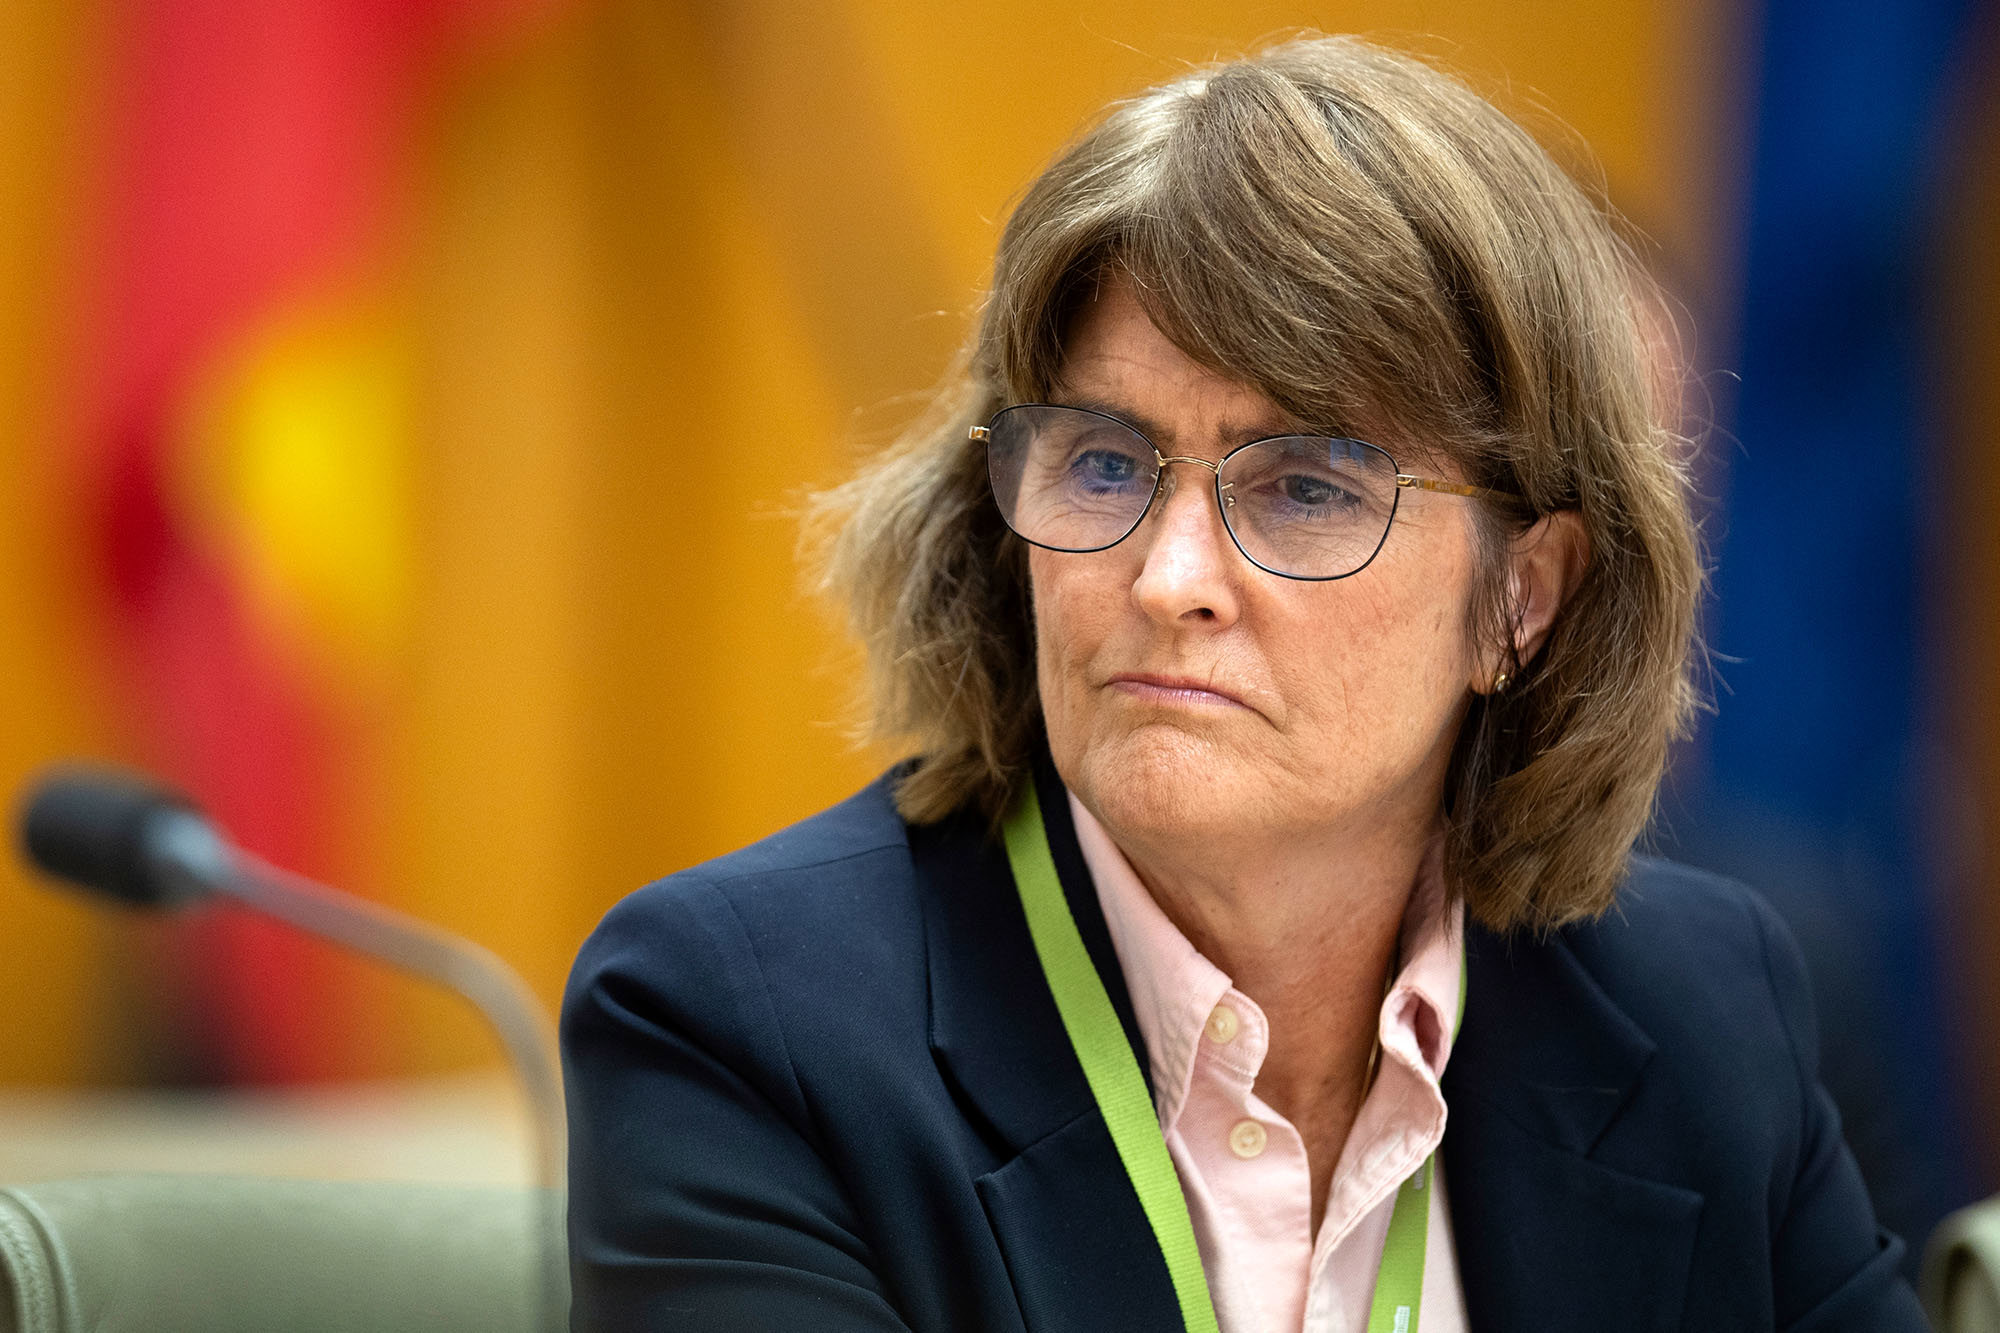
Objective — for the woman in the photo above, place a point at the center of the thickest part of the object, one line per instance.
(1289, 618)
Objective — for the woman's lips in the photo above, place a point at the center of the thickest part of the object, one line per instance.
(1184, 690)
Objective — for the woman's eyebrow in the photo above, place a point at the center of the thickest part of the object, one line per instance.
(1162, 434)
(1156, 431)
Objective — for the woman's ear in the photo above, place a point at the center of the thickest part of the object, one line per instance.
(1545, 564)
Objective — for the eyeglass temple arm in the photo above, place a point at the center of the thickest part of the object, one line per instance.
(1406, 481)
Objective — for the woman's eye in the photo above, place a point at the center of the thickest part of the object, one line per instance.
(1105, 467)
(1313, 492)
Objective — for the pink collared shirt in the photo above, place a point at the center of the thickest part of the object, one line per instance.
(1242, 1165)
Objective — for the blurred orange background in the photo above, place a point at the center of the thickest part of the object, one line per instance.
(506, 482)
(491, 471)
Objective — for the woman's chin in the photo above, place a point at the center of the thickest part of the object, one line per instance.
(1160, 781)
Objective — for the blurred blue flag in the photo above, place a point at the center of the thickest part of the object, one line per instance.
(1816, 779)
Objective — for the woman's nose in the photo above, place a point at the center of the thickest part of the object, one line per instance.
(1192, 569)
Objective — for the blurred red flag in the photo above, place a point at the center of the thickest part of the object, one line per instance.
(241, 440)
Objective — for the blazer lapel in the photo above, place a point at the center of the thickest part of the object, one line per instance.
(1547, 1237)
(1077, 1245)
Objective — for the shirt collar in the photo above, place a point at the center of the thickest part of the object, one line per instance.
(1174, 988)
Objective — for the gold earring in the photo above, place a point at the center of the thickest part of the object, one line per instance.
(1501, 682)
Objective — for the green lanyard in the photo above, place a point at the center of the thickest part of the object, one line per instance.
(1112, 1070)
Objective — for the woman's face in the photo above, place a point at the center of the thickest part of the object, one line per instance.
(1191, 695)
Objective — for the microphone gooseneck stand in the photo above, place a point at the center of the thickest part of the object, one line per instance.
(142, 845)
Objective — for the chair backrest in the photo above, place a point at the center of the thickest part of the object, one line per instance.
(1960, 1283)
(120, 1254)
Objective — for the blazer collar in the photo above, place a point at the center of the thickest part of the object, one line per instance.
(994, 1024)
(1541, 1041)
(1548, 1237)
(1077, 1244)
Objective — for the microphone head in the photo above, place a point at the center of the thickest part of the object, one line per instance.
(107, 831)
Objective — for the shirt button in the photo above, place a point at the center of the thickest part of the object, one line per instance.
(1222, 1025)
(1247, 1139)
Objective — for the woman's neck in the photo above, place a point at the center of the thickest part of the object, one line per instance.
(1310, 933)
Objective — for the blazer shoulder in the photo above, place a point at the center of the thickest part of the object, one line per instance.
(1675, 928)
(1709, 971)
(830, 890)
(864, 823)
(846, 843)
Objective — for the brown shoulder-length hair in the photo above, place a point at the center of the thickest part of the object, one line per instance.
(1370, 244)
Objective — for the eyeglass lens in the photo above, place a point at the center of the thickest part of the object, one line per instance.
(1304, 506)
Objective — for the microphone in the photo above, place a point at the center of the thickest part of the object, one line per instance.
(127, 838)
(142, 844)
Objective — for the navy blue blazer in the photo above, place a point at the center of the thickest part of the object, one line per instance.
(820, 1084)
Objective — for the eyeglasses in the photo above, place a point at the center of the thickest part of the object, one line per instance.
(1299, 506)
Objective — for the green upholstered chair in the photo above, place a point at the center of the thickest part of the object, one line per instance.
(218, 1254)
(1960, 1284)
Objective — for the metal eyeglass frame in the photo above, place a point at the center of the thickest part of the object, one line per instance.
(1404, 481)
